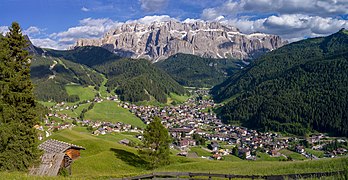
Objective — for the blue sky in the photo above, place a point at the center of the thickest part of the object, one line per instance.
(58, 23)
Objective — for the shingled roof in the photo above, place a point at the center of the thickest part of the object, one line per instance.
(54, 156)
(50, 165)
(55, 146)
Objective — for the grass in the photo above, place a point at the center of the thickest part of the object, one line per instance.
(47, 104)
(85, 93)
(200, 152)
(266, 157)
(76, 112)
(256, 167)
(345, 32)
(103, 88)
(231, 158)
(293, 155)
(177, 98)
(104, 157)
(318, 154)
(110, 111)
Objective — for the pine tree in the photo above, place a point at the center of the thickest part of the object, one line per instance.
(155, 144)
(18, 138)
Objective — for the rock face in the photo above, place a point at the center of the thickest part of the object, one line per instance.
(160, 40)
(31, 48)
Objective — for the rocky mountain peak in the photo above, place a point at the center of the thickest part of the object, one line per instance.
(159, 40)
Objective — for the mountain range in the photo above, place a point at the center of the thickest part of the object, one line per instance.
(160, 40)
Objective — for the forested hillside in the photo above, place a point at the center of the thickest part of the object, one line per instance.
(51, 75)
(300, 87)
(138, 80)
(88, 55)
(135, 80)
(195, 71)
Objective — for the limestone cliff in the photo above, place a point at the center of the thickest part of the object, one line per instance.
(160, 40)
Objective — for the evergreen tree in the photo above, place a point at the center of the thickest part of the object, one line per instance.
(156, 144)
(235, 151)
(18, 138)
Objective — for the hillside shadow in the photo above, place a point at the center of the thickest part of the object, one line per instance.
(226, 45)
(39, 72)
(130, 158)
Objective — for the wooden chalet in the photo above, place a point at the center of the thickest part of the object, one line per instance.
(57, 155)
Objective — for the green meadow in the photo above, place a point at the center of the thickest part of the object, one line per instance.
(85, 93)
(177, 98)
(293, 155)
(110, 111)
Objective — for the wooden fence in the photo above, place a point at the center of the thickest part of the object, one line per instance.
(189, 175)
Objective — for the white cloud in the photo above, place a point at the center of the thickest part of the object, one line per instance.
(32, 31)
(4, 30)
(153, 5)
(323, 8)
(291, 19)
(150, 19)
(87, 28)
(189, 20)
(291, 27)
(85, 9)
(48, 43)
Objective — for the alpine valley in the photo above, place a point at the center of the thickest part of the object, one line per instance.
(173, 99)
(297, 88)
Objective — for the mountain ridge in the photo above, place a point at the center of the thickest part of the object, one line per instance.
(160, 40)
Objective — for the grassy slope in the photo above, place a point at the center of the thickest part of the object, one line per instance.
(319, 154)
(76, 112)
(201, 152)
(111, 112)
(266, 157)
(100, 157)
(293, 155)
(47, 104)
(178, 98)
(85, 93)
(103, 88)
(104, 157)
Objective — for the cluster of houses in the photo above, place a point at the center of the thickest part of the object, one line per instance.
(61, 106)
(102, 128)
(98, 127)
(195, 116)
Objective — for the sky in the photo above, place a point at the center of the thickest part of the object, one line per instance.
(58, 24)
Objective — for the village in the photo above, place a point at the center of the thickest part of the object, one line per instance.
(194, 124)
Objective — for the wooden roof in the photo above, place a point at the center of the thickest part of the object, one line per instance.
(50, 165)
(55, 146)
